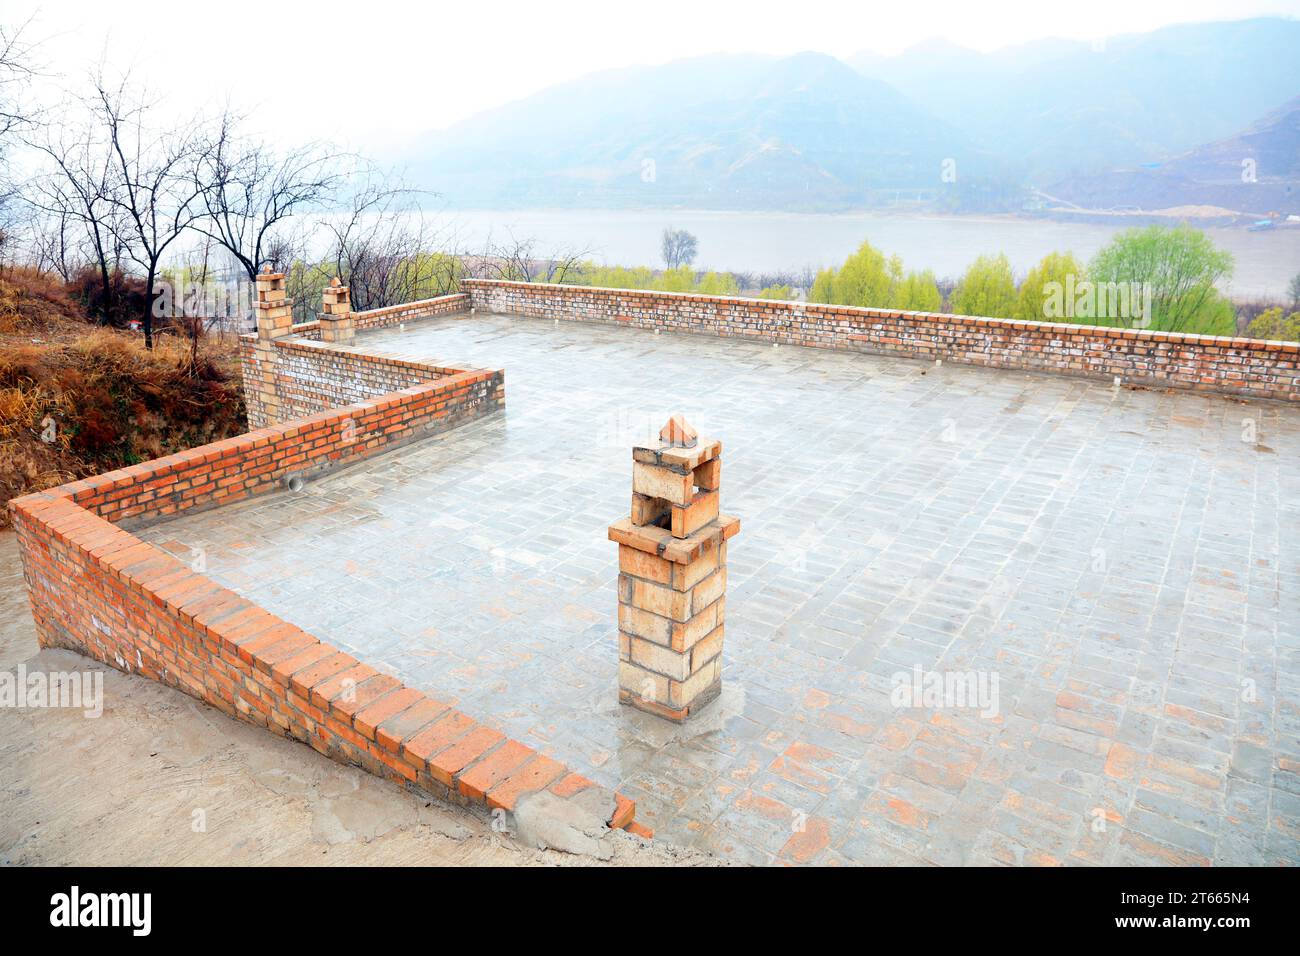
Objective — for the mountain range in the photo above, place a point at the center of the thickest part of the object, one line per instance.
(1133, 119)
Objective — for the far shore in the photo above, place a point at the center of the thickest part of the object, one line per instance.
(1199, 216)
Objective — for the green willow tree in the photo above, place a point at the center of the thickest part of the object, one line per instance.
(1182, 268)
(823, 286)
(680, 279)
(868, 278)
(1055, 267)
(864, 279)
(917, 292)
(718, 283)
(987, 289)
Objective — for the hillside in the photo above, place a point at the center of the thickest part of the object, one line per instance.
(812, 133)
(1210, 175)
(801, 132)
(1058, 107)
(78, 399)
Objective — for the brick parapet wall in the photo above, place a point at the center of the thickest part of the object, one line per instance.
(423, 309)
(262, 459)
(1235, 366)
(298, 375)
(100, 590)
(313, 376)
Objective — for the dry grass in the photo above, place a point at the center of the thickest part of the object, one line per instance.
(76, 399)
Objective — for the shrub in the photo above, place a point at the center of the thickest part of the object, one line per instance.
(1271, 324)
(32, 300)
(125, 300)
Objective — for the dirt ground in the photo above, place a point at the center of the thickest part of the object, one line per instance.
(163, 779)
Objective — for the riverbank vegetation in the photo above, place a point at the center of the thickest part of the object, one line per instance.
(1160, 278)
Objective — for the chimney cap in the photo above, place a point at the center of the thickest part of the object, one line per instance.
(677, 431)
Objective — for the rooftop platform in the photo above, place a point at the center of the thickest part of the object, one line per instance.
(1123, 561)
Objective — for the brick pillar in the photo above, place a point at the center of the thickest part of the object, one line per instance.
(672, 582)
(274, 314)
(274, 321)
(336, 323)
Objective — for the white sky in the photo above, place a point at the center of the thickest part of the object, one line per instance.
(368, 73)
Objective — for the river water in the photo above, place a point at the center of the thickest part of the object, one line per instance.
(773, 242)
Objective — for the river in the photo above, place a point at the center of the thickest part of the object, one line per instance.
(772, 242)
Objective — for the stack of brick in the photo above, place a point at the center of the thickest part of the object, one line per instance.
(336, 322)
(274, 321)
(672, 582)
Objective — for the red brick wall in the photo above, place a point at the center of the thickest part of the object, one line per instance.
(313, 376)
(260, 460)
(97, 589)
(305, 375)
(1207, 363)
(395, 314)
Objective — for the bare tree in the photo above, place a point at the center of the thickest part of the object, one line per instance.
(58, 243)
(387, 250)
(287, 251)
(79, 190)
(679, 248)
(247, 190)
(520, 260)
(16, 71)
(154, 192)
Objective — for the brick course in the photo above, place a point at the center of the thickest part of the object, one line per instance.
(1236, 366)
(312, 376)
(262, 459)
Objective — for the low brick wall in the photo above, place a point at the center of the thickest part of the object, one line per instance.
(1249, 367)
(298, 375)
(98, 589)
(425, 308)
(313, 376)
(260, 460)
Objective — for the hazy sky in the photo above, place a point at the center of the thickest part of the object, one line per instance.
(370, 73)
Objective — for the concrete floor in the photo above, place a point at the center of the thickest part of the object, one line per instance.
(1122, 561)
(161, 779)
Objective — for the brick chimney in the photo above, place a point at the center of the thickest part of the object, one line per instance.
(672, 582)
(336, 322)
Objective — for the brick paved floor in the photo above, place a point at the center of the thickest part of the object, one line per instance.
(1122, 561)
